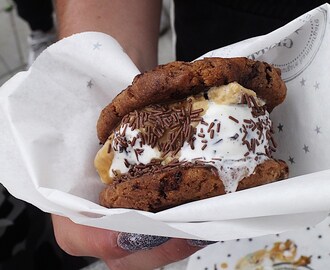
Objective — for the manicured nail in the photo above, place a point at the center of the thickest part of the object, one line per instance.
(200, 243)
(135, 241)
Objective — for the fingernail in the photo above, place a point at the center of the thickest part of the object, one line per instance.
(135, 241)
(200, 243)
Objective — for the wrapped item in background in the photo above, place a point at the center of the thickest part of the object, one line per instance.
(48, 137)
(304, 249)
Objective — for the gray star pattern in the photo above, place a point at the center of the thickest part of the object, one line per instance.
(306, 148)
(280, 127)
(90, 84)
(316, 85)
(97, 46)
(291, 160)
(302, 82)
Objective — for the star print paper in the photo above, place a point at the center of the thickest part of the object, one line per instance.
(303, 150)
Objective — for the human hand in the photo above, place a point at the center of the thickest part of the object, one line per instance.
(122, 250)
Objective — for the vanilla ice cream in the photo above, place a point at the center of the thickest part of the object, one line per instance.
(226, 128)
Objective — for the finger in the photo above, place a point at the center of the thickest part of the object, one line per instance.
(80, 240)
(172, 251)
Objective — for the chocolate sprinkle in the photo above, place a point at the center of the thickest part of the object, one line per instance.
(233, 118)
(218, 127)
(210, 127)
(163, 126)
(169, 126)
(234, 137)
(212, 134)
(201, 135)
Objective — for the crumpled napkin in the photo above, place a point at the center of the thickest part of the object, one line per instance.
(48, 137)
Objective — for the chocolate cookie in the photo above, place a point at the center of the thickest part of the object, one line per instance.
(155, 192)
(178, 80)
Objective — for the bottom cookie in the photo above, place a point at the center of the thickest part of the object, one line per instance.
(181, 185)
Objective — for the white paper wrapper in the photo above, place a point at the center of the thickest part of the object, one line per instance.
(48, 137)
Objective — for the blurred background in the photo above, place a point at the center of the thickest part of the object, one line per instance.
(15, 33)
(13, 41)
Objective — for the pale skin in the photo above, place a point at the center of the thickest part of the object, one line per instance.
(135, 25)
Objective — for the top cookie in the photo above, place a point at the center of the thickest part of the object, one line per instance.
(177, 80)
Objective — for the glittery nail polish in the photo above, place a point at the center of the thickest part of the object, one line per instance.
(135, 241)
(200, 243)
